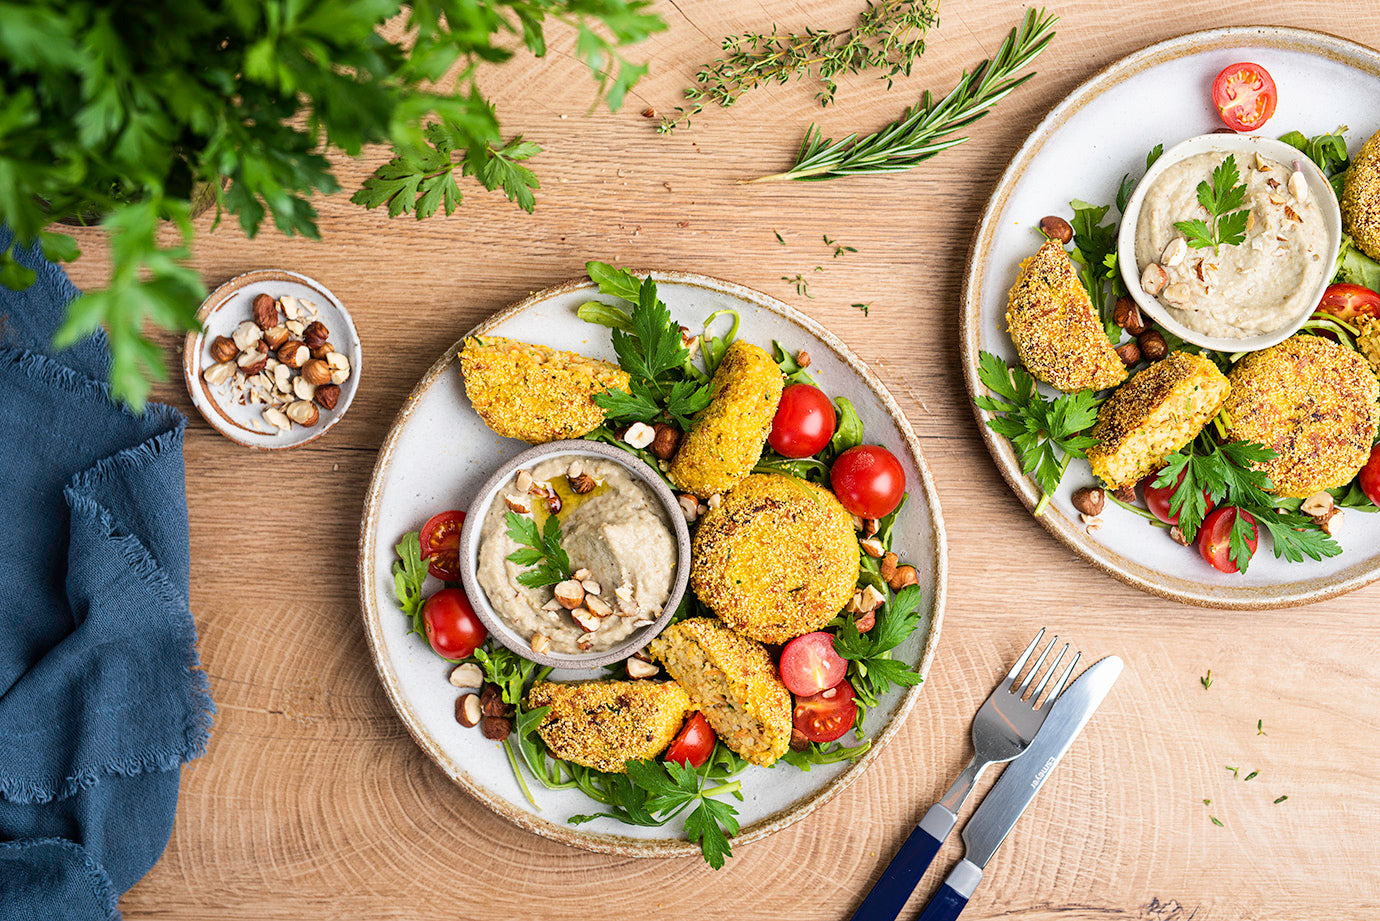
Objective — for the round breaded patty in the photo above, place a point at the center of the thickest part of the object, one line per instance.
(1313, 402)
(777, 559)
(1361, 198)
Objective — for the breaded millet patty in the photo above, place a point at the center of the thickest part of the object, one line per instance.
(605, 724)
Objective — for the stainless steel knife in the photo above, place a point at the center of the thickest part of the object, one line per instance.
(1018, 784)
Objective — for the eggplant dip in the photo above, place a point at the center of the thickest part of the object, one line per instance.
(1228, 290)
(621, 551)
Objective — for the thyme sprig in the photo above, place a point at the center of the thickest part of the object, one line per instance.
(925, 129)
(889, 34)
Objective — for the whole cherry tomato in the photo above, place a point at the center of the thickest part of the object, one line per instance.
(868, 481)
(452, 628)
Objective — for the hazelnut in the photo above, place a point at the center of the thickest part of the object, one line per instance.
(322, 350)
(275, 336)
(598, 606)
(491, 700)
(300, 388)
(1129, 353)
(802, 358)
(223, 348)
(467, 675)
(516, 504)
(316, 372)
(586, 618)
(905, 575)
(1126, 493)
(496, 728)
(690, 506)
(275, 418)
(1056, 228)
(872, 547)
(303, 413)
(665, 440)
(252, 361)
(553, 504)
(870, 526)
(1319, 505)
(870, 599)
(570, 594)
(581, 484)
(1153, 279)
(865, 622)
(887, 566)
(467, 712)
(1126, 314)
(1090, 500)
(1177, 533)
(639, 435)
(246, 334)
(294, 355)
(265, 311)
(219, 373)
(541, 644)
(1152, 345)
(327, 395)
(316, 334)
(639, 669)
(337, 361)
(798, 741)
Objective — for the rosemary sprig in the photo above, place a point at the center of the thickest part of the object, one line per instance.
(924, 130)
(889, 34)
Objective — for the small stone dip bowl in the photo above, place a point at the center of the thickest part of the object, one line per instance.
(493, 491)
(1244, 148)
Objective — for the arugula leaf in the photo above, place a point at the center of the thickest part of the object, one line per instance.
(1355, 267)
(804, 468)
(789, 366)
(1128, 185)
(1093, 242)
(409, 574)
(539, 548)
(610, 315)
(1223, 198)
(822, 754)
(848, 431)
(1045, 433)
(1328, 151)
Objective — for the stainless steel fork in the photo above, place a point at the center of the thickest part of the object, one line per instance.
(1002, 730)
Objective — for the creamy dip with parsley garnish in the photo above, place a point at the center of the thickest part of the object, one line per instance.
(620, 549)
(1246, 266)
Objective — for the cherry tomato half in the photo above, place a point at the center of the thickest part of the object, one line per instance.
(694, 743)
(825, 716)
(1370, 476)
(1214, 538)
(452, 628)
(1157, 498)
(809, 664)
(1245, 96)
(441, 545)
(804, 422)
(868, 481)
(1347, 302)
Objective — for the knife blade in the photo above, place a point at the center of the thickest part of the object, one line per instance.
(1019, 783)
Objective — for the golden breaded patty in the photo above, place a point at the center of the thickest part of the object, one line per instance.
(534, 392)
(725, 441)
(778, 558)
(1058, 335)
(1361, 198)
(1313, 402)
(733, 682)
(1153, 415)
(605, 724)
(1368, 340)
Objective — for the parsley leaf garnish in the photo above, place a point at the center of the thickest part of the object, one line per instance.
(540, 549)
(1226, 223)
(663, 381)
(871, 669)
(409, 573)
(1046, 433)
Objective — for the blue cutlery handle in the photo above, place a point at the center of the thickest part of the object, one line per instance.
(948, 903)
(899, 879)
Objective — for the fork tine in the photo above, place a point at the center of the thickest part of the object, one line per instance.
(1059, 686)
(1035, 669)
(1053, 667)
(1020, 663)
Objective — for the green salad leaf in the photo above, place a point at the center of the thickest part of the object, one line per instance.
(409, 574)
(848, 427)
(1093, 244)
(871, 669)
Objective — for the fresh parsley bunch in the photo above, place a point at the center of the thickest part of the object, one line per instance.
(1046, 433)
(1226, 223)
(137, 115)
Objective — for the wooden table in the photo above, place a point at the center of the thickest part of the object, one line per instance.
(313, 802)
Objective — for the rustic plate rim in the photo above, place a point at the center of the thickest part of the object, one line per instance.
(622, 845)
(1294, 594)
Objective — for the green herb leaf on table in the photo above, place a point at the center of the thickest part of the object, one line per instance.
(924, 130)
(409, 574)
(1046, 433)
(1223, 200)
(540, 549)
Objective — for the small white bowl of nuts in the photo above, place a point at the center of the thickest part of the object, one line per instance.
(277, 362)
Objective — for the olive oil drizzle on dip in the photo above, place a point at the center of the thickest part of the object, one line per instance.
(1233, 291)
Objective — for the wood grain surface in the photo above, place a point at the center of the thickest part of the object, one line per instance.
(313, 803)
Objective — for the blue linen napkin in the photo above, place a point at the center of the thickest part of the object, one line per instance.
(102, 696)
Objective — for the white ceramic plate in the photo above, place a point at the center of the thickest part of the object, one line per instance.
(438, 453)
(1080, 150)
(226, 308)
